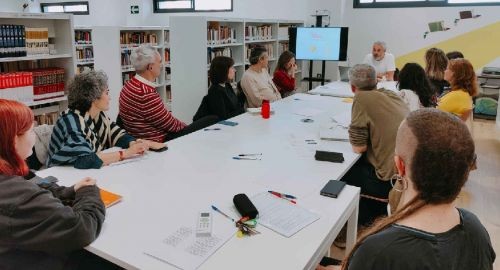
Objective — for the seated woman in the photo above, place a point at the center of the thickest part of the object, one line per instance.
(462, 78)
(428, 231)
(221, 99)
(256, 82)
(41, 227)
(415, 88)
(435, 65)
(83, 131)
(284, 75)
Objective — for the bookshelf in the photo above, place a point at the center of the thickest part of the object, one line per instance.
(41, 50)
(112, 48)
(84, 49)
(195, 38)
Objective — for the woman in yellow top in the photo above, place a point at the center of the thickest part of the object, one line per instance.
(460, 74)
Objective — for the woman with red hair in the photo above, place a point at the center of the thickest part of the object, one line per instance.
(460, 74)
(46, 226)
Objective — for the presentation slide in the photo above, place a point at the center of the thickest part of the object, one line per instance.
(318, 43)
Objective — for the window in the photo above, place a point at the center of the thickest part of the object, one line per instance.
(77, 8)
(422, 3)
(192, 5)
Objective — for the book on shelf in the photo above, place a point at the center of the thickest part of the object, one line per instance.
(47, 118)
(262, 32)
(283, 46)
(83, 37)
(167, 38)
(109, 198)
(219, 34)
(84, 68)
(12, 41)
(37, 41)
(24, 65)
(214, 52)
(32, 85)
(85, 54)
(128, 39)
(167, 56)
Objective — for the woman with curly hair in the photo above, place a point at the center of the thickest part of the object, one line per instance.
(415, 88)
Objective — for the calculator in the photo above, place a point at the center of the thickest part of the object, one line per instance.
(204, 224)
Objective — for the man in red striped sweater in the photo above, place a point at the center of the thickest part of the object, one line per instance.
(141, 109)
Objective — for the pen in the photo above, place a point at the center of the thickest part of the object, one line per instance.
(207, 129)
(282, 194)
(282, 197)
(246, 158)
(246, 155)
(222, 213)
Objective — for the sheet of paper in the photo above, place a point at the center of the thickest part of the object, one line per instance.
(281, 215)
(184, 250)
(334, 90)
(334, 133)
(307, 112)
(343, 119)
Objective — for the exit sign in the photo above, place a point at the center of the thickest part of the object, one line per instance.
(134, 9)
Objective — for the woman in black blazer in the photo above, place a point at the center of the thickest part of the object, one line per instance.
(221, 99)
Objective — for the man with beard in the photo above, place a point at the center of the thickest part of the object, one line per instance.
(382, 61)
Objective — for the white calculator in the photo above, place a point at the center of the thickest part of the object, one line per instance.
(204, 224)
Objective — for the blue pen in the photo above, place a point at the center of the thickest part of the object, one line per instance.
(246, 158)
(222, 213)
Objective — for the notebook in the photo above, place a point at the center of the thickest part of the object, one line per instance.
(344, 73)
(467, 14)
(436, 26)
(109, 198)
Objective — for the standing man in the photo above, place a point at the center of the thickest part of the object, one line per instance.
(382, 61)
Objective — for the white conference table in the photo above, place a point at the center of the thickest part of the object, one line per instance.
(343, 89)
(165, 191)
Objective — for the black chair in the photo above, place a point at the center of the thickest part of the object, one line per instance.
(242, 98)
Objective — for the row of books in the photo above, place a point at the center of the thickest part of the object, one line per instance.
(47, 118)
(136, 38)
(85, 54)
(125, 59)
(84, 68)
(221, 35)
(33, 85)
(214, 52)
(262, 32)
(269, 47)
(24, 65)
(12, 41)
(83, 37)
(284, 46)
(37, 41)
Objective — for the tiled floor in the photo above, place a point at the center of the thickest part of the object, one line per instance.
(481, 194)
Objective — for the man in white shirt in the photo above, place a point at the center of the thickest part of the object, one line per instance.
(382, 61)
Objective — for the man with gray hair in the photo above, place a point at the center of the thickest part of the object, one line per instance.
(142, 111)
(382, 61)
(376, 116)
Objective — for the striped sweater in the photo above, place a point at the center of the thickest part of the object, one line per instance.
(143, 113)
(77, 138)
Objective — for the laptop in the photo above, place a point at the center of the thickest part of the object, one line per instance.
(344, 73)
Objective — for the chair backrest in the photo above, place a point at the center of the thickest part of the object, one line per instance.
(344, 73)
(41, 148)
(242, 98)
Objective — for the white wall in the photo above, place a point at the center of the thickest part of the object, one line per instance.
(403, 28)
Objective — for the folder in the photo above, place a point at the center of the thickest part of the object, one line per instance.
(109, 198)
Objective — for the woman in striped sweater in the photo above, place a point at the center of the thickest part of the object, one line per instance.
(84, 131)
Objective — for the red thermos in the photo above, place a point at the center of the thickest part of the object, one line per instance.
(265, 109)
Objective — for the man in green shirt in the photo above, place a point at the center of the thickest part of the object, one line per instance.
(376, 116)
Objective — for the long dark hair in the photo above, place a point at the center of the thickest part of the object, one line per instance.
(439, 166)
(285, 57)
(413, 77)
(219, 69)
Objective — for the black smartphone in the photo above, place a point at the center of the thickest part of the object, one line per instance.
(164, 148)
(332, 189)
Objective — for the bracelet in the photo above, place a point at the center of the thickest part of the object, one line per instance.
(121, 155)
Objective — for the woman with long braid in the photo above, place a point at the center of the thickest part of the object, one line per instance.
(434, 155)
